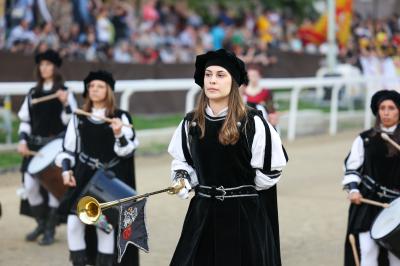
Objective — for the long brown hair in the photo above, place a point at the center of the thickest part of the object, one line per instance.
(109, 102)
(58, 79)
(229, 133)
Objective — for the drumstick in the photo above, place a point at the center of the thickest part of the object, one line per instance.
(44, 98)
(388, 139)
(352, 241)
(108, 120)
(34, 153)
(375, 203)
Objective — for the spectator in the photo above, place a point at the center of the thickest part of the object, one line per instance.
(149, 12)
(119, 21)
(61, 13)
(21, 10)
(20, 34)
(104, 28)
(218, 35)
(175, 29)
(121, 54)
(49, 36)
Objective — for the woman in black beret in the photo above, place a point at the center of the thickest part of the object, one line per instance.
(232, 159)
(91, 144)
(41, 123)
(372, 171)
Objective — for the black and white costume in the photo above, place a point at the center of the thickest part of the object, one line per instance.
(234, 220)
(90, 145)
(374, 172)
(367, 166)
(41, 123)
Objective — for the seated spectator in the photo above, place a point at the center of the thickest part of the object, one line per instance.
(121, 53)
(22, 34)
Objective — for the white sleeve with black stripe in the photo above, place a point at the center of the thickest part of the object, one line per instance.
(23, 115)
(69, 144)
(66, 114)
(354, 162)
(131, 140)
(266, 178)
(176, 151)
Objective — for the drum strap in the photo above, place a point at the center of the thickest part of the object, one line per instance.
(381, 191)
(95, 163)
(39, 140)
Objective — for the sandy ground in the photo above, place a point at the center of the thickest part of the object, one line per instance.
(312, 208)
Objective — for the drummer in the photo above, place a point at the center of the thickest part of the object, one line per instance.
(91, 144)
(372, 170)
(40, 123)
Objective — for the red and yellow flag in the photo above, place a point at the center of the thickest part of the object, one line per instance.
(317, 32)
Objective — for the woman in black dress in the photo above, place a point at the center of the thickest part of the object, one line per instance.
(41, 123)
(373, 172)
(233, 159)
(91, 144)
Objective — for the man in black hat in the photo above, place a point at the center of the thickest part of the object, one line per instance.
(373, 172)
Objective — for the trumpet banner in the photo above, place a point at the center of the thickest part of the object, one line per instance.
(132, 227)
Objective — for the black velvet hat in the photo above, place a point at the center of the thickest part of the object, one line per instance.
(223, 58)
(98, 75)
(49, 55)
(383, 95)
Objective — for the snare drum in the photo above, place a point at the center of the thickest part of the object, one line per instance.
(42, 167)
(104, 187)
(386, 228)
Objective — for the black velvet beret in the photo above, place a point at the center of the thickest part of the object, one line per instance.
(223, 58)
(49, 55)
(103, 75)
(383, 95)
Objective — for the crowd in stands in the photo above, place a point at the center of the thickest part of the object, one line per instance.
(126, 32)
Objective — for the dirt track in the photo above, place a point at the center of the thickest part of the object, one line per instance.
(312, 210)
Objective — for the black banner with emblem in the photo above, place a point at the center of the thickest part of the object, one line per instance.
(132, 227)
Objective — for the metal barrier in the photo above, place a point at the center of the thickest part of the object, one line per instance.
(295, 85)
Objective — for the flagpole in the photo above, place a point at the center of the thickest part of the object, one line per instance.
(89, 209)
(331, 54)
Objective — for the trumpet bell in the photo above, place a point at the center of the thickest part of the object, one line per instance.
(88, 210)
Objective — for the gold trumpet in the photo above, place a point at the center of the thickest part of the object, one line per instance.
(89, 209)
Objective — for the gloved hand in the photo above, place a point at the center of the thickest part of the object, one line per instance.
(183, 193)
(103, 224)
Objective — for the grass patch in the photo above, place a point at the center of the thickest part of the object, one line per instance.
(14, 136)
(302, 105)
(159, 121)
(10, 159)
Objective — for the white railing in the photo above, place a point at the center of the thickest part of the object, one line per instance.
(295, 85)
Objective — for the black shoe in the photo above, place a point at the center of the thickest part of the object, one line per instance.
(39, 213)
(50, 228)
(78, 258)
(104, 259)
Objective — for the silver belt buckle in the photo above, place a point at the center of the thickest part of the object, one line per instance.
(222, 197)
(96, 163)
